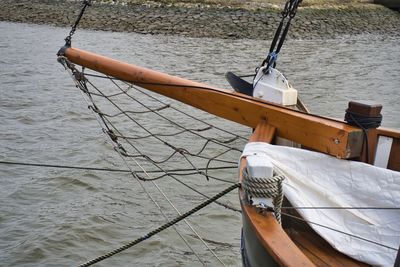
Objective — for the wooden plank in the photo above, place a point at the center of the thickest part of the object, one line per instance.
(274, 239)
(372, 142)
(314, 259)
(263, 133)
(268, 231)
(327, 256)
(383, 149)
(394, 157)
(389, 132)
(321, 134)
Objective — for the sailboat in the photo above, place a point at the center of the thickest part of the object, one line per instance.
(314, 191)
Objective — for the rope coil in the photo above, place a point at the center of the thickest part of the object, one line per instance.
(363, 121)
(263, 187)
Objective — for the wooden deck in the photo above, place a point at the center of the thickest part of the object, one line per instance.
(320, 252)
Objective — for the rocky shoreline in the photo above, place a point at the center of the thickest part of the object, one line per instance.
(205, 21)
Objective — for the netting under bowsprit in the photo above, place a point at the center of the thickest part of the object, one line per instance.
(159, 137)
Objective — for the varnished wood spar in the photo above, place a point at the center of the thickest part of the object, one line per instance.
(270, 234)
(325, 135)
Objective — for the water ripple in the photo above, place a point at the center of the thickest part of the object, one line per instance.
(64, 217)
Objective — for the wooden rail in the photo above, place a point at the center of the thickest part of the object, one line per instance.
(271, 235)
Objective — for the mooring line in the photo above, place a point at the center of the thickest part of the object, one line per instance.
(161, 228)
(165, 216)
(156, 203)
(45, 165)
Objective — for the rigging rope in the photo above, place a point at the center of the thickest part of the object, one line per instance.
(290, 10)
(115, 136)
(341, 208)
(81, 83)
(365, 122)
(170, 171)
(68, 39)
(177, 124)
(163, 213)
(176, 149)
(338, 231)
(186, 185)
(105, 121)
(172, 107)
(161, 228)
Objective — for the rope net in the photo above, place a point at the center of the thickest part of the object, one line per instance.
(157, 133)
(164, 141)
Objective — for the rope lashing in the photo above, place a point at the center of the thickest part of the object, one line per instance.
(262, 187)
(365, 122)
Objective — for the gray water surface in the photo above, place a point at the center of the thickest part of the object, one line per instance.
(56, 217)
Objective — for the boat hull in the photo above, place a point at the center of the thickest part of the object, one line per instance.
(254, 253)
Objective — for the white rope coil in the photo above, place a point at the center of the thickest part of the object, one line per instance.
(262, 187)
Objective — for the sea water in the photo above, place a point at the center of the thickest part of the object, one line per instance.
(58, 217)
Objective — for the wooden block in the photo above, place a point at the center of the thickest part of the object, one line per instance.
(365, 109)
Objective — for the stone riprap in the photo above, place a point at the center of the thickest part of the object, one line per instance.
(205, 21)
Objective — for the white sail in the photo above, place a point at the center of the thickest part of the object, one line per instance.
(318, 180)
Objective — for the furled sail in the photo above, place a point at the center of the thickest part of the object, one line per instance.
(348, 203)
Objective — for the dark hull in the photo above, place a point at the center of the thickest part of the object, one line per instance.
(253, 252)
(393, 4)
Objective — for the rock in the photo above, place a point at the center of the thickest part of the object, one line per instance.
(221, 22)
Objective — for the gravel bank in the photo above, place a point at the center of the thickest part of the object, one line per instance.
(201, 21)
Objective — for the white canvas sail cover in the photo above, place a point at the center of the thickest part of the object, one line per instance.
(318, 180)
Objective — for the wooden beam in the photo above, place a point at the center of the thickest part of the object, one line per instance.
(389, 132)
(372, 142)
(321, 134)
(263, 133)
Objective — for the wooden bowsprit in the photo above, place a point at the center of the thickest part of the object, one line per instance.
(321, 134)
